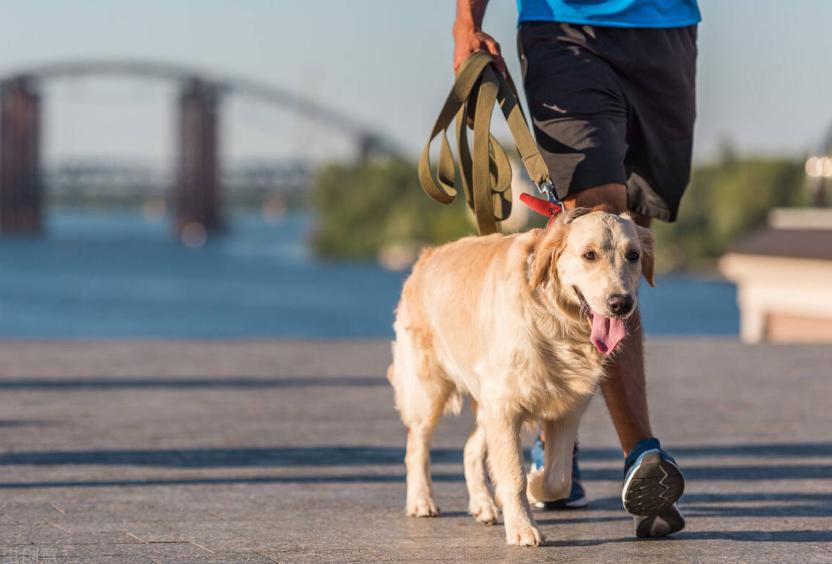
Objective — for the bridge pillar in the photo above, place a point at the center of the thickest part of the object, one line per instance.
(20, 186)
(198, 189)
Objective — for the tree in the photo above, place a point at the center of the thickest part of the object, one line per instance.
(724, 201)
(364, 207)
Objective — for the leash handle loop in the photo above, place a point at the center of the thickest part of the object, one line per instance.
(484, 174)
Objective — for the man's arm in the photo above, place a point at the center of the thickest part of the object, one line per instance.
(468, 35)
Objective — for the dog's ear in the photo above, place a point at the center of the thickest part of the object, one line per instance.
(648, 252)
(546, 253)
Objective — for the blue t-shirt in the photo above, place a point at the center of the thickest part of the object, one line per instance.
(612, 13)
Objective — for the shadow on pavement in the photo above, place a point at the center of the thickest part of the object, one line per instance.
(728, 504)
(337, 459)
(695, 504)
(11, 423)
(73, 384)
(327, 455)
(801, 535)
(229, 480)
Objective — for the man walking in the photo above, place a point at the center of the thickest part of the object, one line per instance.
(610, 86)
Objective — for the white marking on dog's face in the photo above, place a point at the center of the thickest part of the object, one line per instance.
(601, 263)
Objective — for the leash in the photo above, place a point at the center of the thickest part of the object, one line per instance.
(485, 175)
(547, 208)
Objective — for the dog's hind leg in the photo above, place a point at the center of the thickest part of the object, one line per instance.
(481, 503)
(420, 429)
(421, 394)
(554, 480)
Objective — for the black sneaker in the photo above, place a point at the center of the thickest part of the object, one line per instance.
(577, 496)
(652, 485)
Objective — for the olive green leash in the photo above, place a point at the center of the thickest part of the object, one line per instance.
(485, 175)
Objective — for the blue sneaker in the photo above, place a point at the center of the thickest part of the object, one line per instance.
(652, 485)
(577, 497)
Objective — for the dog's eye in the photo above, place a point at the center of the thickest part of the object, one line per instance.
(590, 256)
(633, 256)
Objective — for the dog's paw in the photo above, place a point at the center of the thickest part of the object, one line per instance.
(422, 507)
(484, 510)
(524, 535)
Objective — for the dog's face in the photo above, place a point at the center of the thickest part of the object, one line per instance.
(598, 259)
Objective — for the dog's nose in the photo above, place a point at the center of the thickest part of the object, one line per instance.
(620, 304)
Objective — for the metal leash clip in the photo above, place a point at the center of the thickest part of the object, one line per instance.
(548, 189)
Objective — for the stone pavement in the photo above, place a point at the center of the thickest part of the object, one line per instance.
(281, 451)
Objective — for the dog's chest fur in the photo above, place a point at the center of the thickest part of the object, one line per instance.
(554, 374)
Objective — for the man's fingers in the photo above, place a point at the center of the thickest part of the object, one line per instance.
(494, 49)
(480, 42)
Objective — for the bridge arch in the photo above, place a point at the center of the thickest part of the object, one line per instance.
(197, 191)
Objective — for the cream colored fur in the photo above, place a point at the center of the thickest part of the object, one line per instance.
(498, 319)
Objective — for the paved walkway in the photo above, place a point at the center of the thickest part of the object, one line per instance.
(137, 452)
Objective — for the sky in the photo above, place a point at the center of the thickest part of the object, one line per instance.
(764, 79)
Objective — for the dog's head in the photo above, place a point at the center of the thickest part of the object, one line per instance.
(589, 264)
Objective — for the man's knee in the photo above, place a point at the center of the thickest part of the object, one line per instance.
(607, 197)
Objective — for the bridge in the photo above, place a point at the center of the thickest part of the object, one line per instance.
(104, 181)
(196, 197)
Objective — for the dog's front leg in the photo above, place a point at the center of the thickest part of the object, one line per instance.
(554, 480)
(505, 458)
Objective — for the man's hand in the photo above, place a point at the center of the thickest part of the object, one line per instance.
(469, 38)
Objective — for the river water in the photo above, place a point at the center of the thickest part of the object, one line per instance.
(119, 276)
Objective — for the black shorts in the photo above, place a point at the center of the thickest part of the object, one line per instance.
(613, 105)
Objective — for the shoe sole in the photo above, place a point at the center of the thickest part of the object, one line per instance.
(662, 524)
(653, 486)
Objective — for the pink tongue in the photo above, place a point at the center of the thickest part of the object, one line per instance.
(607, 333)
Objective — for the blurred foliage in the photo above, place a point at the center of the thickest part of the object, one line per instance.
(363, 208)
(724, 201)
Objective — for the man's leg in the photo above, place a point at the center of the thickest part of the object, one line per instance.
(652, 481)
(625, 391)
(582, 96)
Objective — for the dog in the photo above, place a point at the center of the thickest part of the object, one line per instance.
(522, 325)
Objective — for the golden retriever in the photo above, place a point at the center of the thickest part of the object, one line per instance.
(521, 324)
